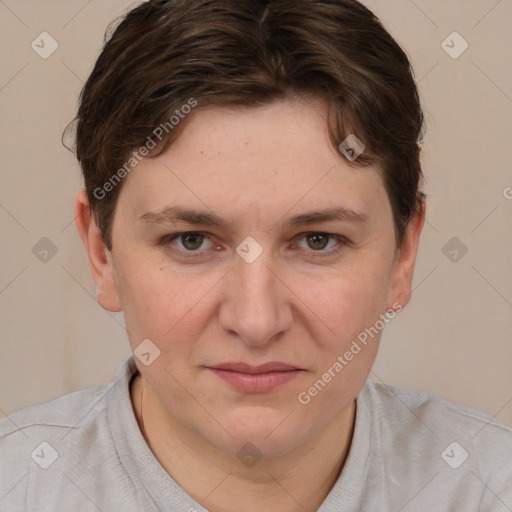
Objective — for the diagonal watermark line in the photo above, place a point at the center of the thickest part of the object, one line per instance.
(189, 188)
(491, 491)
(432, 226)
(88, 497)
(492, 81)
(14, 423)
(197, 303)
(310, 104)
(13, 77)
(334, 334)
(13, 13)
(428, 72)
(426, 277)
(301, 198)
(488, 215)
(68, 224)
(286, 491)
(495, 289)
(13, 279)
(14, 218)
(79, 283)
(72, 72)
(404, 404)
(489, 421)
(111, 388)
(415, 496)
(13, 487)
(94, 299)
(214, 489)
(424, 13)
(197, 401)
(486, 14)
(76, 14)
(279, 424)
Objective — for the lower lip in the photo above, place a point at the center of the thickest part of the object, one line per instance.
(256, 382)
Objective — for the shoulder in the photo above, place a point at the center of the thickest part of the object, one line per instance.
(425, 434)
(70, 411)
(47, 448)
(406, 408)
(43, 433)
(57, 434)
(64, 412)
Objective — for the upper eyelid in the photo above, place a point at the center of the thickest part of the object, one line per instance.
(343, 240)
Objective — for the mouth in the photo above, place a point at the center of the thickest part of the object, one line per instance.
(256, 379)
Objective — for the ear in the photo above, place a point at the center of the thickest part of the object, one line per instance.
(100, 258)
(405, 260)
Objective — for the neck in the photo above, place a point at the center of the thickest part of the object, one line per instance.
(293, 482)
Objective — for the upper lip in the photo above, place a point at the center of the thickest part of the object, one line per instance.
(273, 366)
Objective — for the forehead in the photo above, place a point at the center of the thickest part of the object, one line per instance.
(277, 157)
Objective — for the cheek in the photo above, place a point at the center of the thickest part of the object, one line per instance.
(349, 302)
(163, 304)
(173, 304)
(351, 308)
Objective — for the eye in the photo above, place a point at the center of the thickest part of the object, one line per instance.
(317, 242)
(190, 241)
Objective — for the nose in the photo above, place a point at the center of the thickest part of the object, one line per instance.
(256, 302)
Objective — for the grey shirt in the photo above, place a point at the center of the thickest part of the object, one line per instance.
(410, 452)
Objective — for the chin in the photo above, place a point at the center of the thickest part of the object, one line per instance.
(268, 429)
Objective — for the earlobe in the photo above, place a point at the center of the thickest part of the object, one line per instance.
(100, 258)
(403, 272)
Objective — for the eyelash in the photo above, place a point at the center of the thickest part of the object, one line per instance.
(342, 242)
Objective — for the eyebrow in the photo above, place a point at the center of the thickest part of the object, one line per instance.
(176, 214)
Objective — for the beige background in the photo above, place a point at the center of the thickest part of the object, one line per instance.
(453, 339)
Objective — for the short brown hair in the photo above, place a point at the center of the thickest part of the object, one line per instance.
(164, 53)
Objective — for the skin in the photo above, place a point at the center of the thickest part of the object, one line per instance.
(254, 168)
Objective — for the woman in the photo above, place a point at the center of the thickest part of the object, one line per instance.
(253, 205)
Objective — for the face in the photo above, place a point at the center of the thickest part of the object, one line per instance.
(269, 282)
